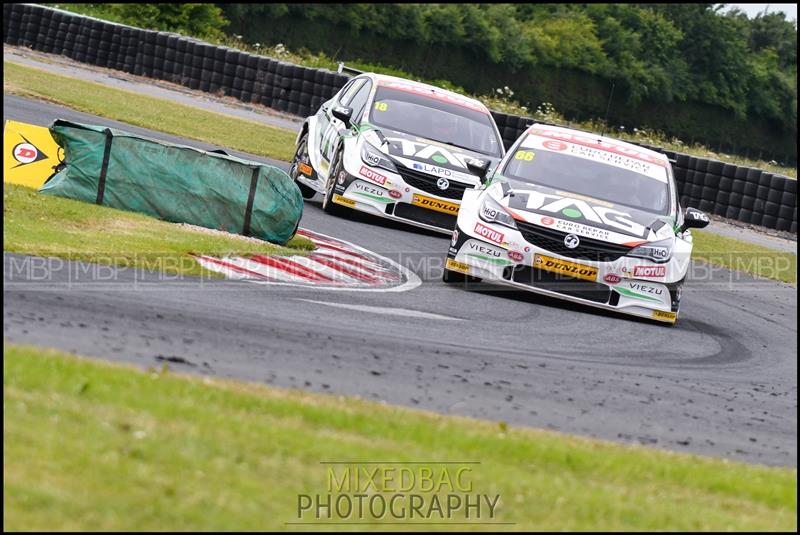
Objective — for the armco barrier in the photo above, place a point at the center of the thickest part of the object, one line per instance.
(742, 193)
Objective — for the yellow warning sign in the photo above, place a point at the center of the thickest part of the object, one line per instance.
(29, 154)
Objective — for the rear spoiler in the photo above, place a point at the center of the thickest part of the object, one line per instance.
(348, 70)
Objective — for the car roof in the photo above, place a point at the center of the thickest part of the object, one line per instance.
(382, 79)
(609, 141)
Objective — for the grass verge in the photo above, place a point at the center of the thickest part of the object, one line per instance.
(44, 225)
(150, 112)
(743, 256)
(89, 445)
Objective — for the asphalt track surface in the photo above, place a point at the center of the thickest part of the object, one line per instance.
(722, 382)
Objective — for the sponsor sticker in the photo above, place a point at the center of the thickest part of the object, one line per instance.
(433, 169)
(434, 204)
(395, 194)
(555, 145)
(516, 256)
(486, 250)
(454, 239)
(305, 169)
(642, 290)
(457, 266)
(438, 95)
(612, 278)
(489, 234)
(338, 199)
(26, 153)
(554, 265)
(372, 175)
(575, 208)
(548, 221)
(30, 153)
(649, 271)
(665, 316)
(363, 186)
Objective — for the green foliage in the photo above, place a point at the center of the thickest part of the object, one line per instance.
(653, 52)
(200, 20)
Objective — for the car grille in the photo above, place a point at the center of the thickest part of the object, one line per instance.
(563, 284)
(423, 215)
(427, 183)
(553, 241)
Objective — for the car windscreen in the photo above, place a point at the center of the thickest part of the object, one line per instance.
(589, 177)
(435, 119)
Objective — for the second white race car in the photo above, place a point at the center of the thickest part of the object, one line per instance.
(395, 148)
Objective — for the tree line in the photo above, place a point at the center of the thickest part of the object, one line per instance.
(653, 52)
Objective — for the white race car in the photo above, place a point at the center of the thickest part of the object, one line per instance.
(395, 148)
(580, 217)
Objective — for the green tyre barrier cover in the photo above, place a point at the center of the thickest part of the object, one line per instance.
(174, 182)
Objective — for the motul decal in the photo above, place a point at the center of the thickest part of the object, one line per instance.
(489, 234)
(372, 175)
(649, 271)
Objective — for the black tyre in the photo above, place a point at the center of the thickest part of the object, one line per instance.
(336, 168)
(301, 156)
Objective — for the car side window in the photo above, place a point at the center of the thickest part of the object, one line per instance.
(347, 96)
(360, 100)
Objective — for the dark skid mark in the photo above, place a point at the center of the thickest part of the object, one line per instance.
(174, 359)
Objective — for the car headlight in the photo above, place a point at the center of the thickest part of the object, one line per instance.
(372, 156)
(492, 212)
(658, 251)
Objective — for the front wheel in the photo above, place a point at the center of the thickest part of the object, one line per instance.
(301, 156)
(336, 168)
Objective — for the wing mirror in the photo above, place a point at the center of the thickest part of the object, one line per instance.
(478, 168)
(694, 218)
(343, 113)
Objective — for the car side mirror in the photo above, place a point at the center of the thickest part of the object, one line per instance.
(478, 168)
(694, 218)
(343, 113)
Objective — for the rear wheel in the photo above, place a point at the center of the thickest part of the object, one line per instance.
(301, 156)
(336, 168)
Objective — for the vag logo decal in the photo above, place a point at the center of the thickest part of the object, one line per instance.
(577, 208)
(431, 152)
